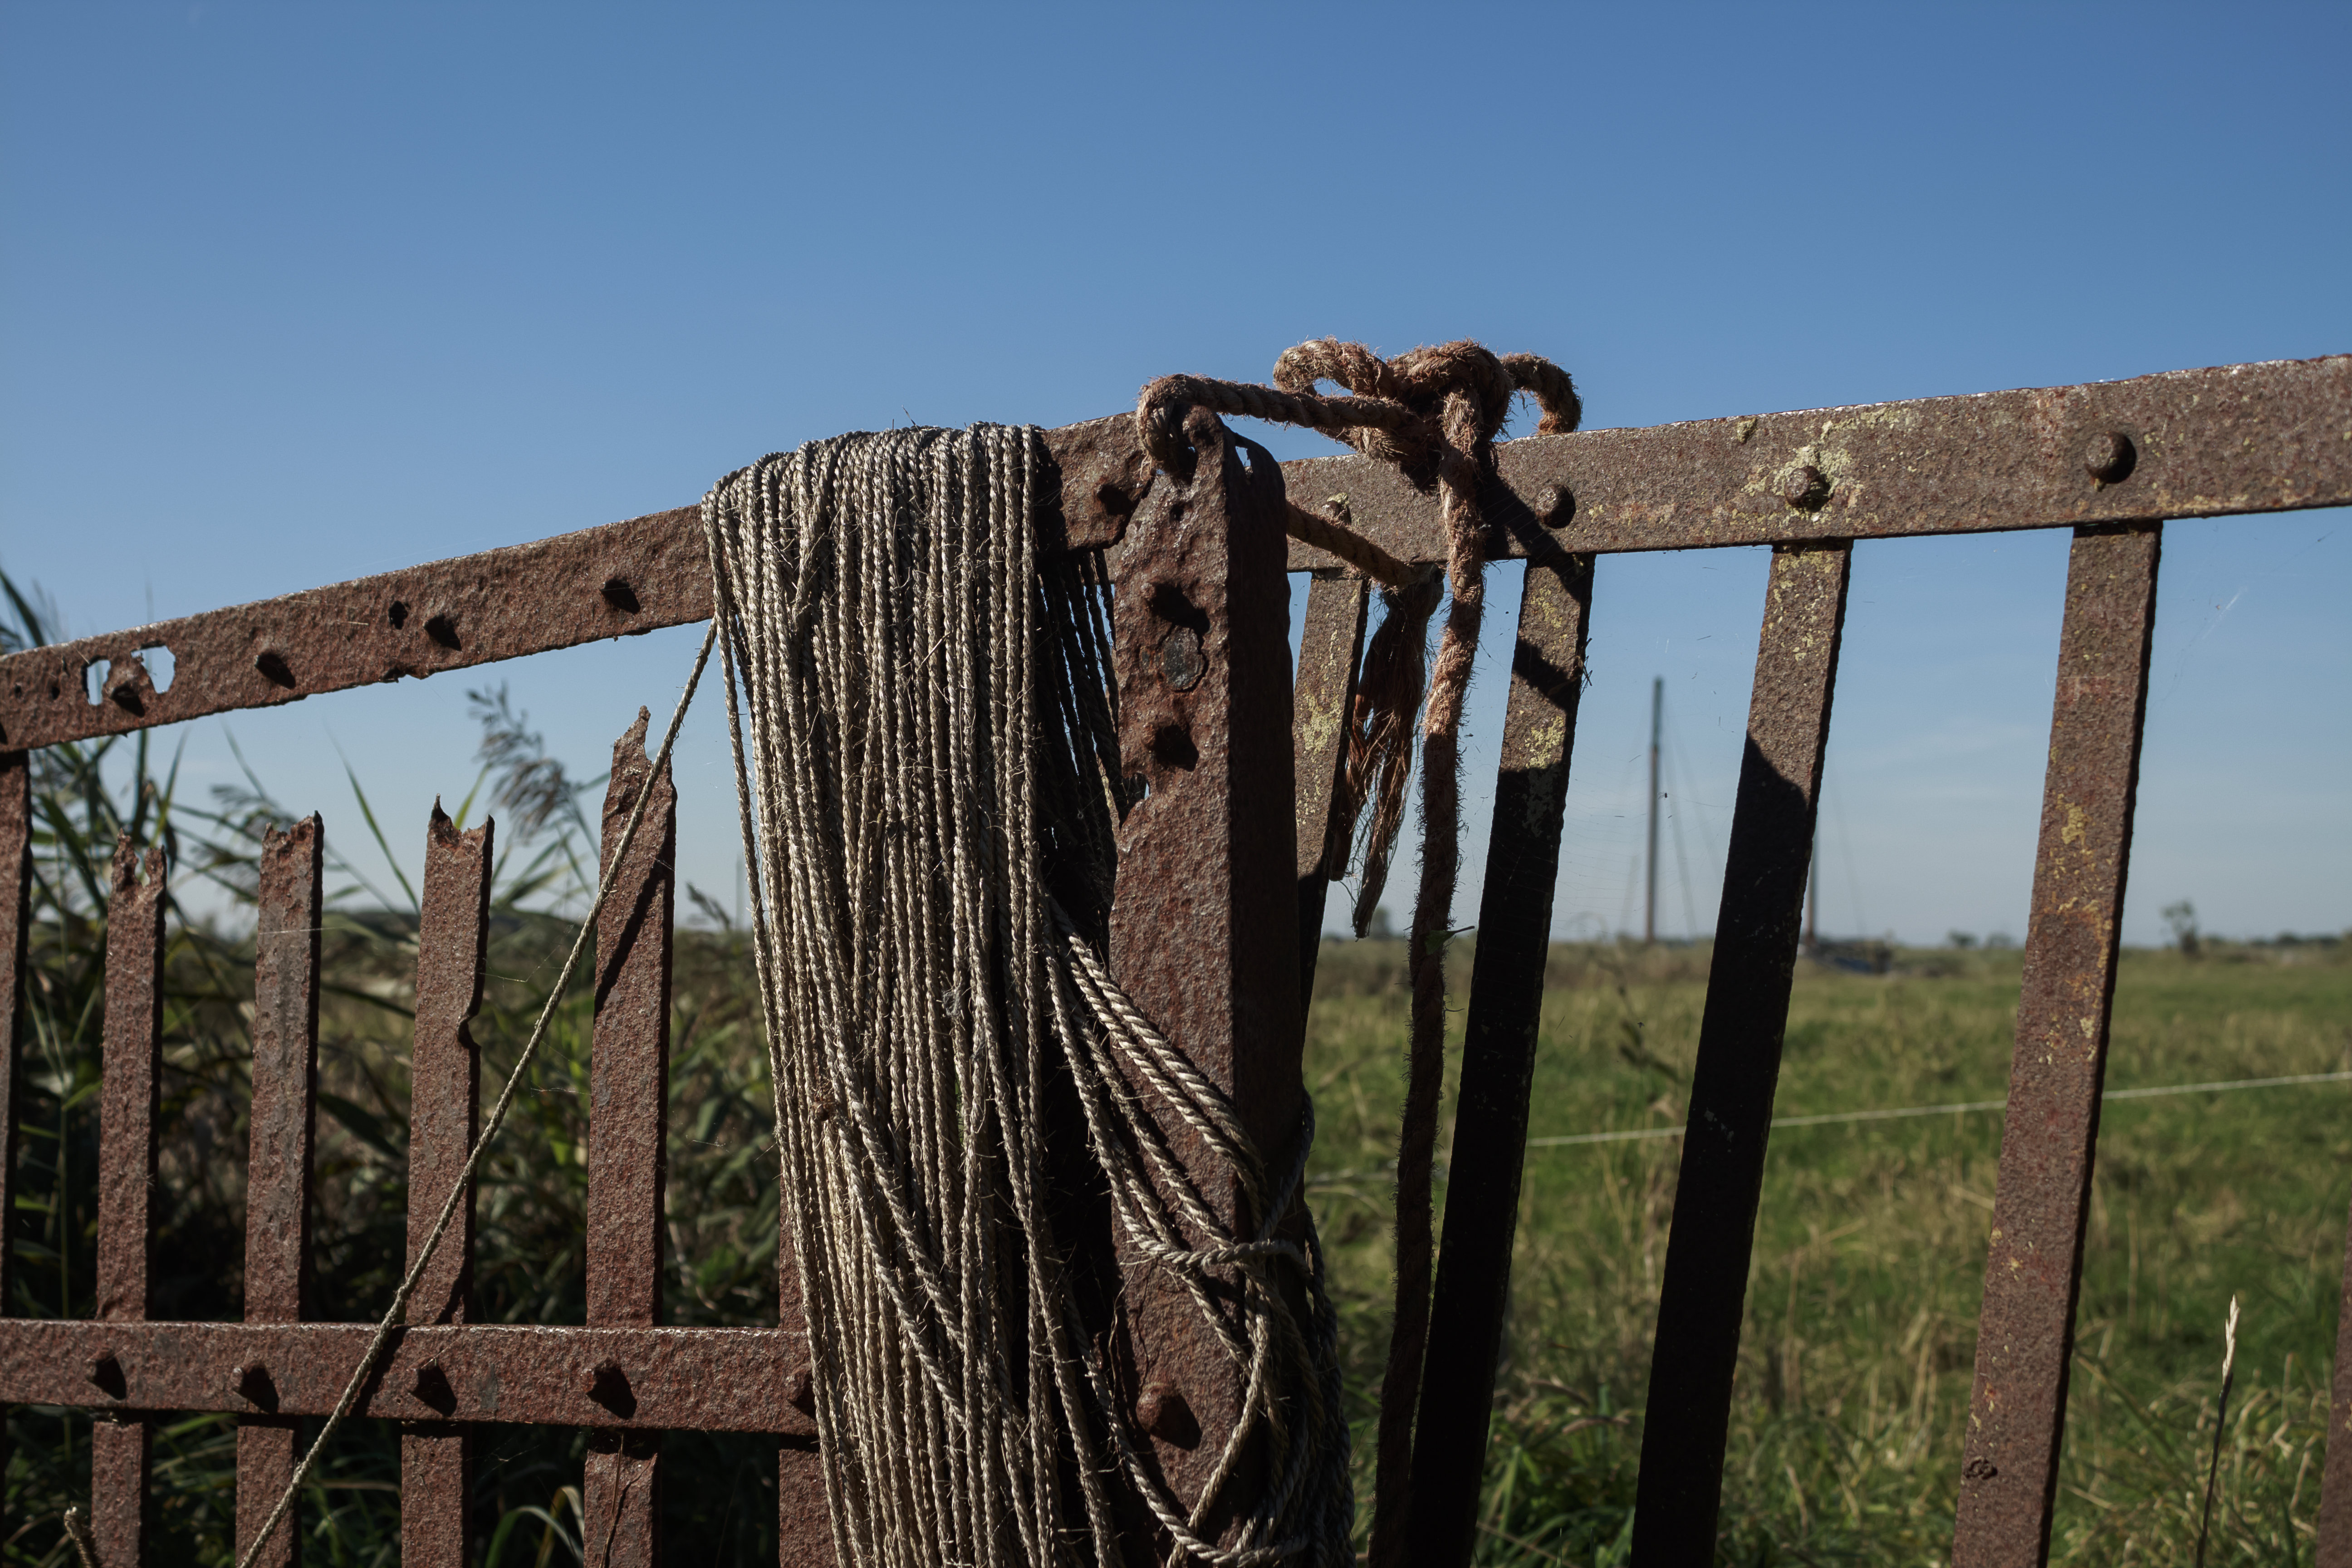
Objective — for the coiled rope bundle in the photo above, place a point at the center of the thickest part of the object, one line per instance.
(924, 746)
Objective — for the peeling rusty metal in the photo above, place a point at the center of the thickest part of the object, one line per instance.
(444, 1065)
(1204, 926)
(715, 1380)
(266, 1457)
(122, 1514)
(1482, 1191)
(803, 1521)
(2025, 1338)
(1104, 476)
(15, 925)
(2335, 1539)
(1330, 647)
(444, 1110)
(449, 615)
(628, 1142)
(278, 1181)
(629, 1056)
(132, 1066)
(621, 1500)
(129, 1105)
(2205, 443)
(285, 1063)
(1729, 1116)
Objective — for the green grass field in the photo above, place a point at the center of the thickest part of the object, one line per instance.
(1857, 1356)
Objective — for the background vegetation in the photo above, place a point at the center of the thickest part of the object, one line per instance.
(1856, 1360)
(1858, 1350)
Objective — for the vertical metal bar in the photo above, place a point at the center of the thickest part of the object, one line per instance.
(444, 1109)
(278, 1181)
(2335, 1541)
(2025, 1339)
(804, 1518)
(1482, 1192)
(129, 1103)
(16, 926)
(1747, 1014)
(1330, 647)
(1204, 923)
(628, 1076)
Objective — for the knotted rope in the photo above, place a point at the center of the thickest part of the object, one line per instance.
(925, 751)
(1434, 413)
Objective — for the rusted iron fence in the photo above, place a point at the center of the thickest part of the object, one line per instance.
(2110, 460)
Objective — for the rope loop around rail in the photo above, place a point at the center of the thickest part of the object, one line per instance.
(1434, 413)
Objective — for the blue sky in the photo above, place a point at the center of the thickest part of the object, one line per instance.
(291, 294)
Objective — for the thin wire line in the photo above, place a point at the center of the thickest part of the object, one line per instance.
(1630, 1135)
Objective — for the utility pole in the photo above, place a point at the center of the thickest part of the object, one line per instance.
(1814, 898)
(1657, 718)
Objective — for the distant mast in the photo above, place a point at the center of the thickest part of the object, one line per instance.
(1657, 718)
(1814, 898)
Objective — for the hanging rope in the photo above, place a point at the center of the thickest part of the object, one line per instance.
(925, 755)
(1434, 413)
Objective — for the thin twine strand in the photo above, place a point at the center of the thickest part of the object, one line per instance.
(382, 1337)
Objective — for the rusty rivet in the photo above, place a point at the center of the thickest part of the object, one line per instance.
(620, 595)
(2110, 457)
(444, 630)
(1806, 489)
(594, 1374)
(1180, 658)
(801, 1391)
(1161, 1411)
(397, 615)
(274, 669)
(249, 1381)
(429, 1380)
(1555, 506)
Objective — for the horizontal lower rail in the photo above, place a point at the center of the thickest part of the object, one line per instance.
(706, 1380)
(2275, 436)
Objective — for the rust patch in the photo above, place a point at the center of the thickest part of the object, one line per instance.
(2033, 1272)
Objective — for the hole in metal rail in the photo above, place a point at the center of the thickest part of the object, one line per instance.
(620, 595)
(94, 675)
(1172, 744)
(442, 630)
(397, 615)
(160, 667)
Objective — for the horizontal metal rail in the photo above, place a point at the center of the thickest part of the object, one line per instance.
(2275, 436)
(712, 1379)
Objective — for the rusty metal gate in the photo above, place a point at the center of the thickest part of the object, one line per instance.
(2111, 460)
